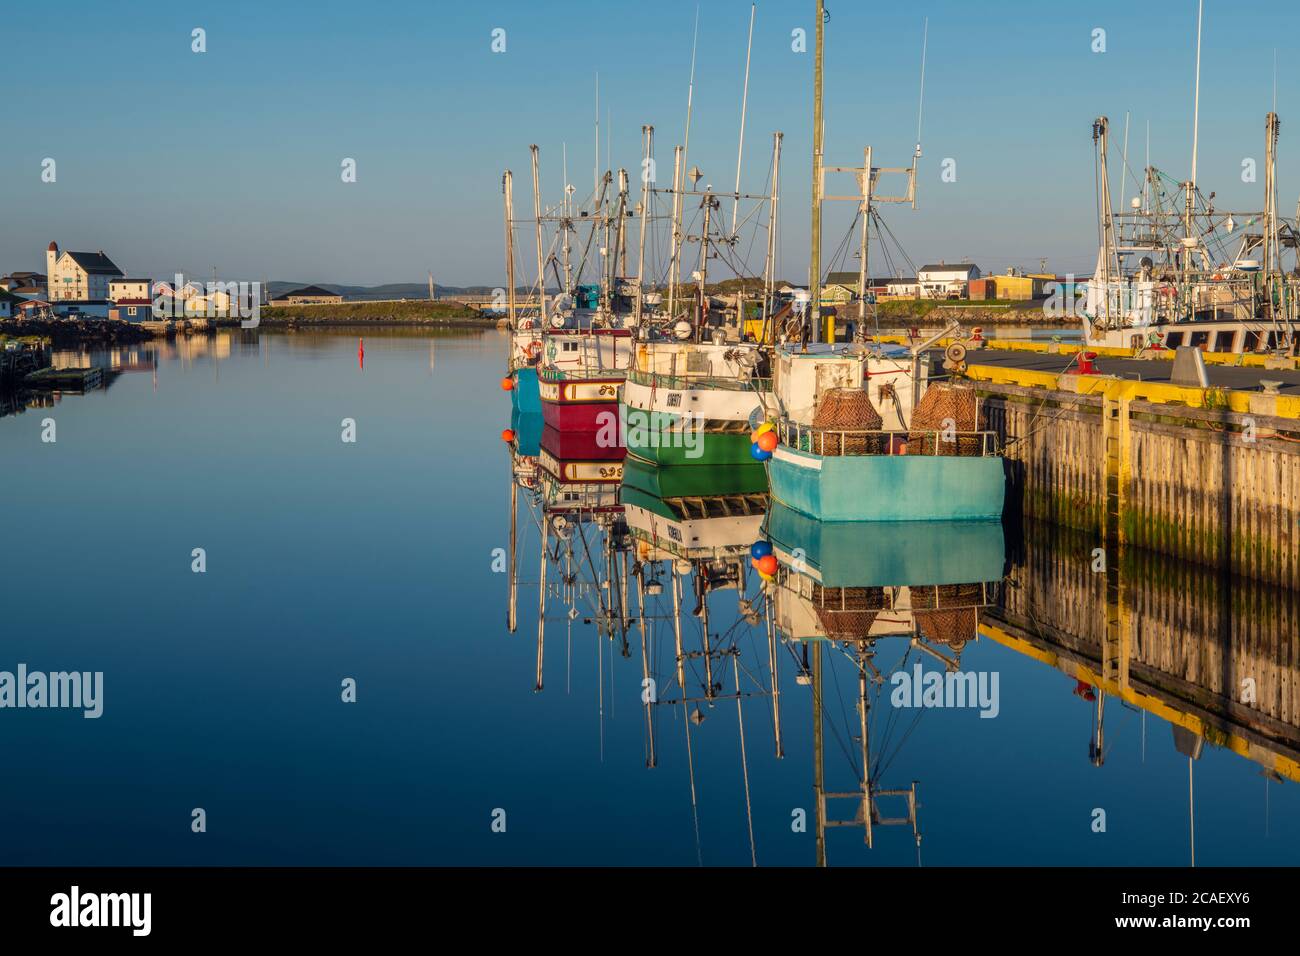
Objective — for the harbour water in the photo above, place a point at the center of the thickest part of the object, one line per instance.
(376, 560)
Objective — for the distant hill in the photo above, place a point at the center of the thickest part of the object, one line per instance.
(391, 290)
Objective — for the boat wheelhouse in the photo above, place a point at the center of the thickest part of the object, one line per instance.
(860, 470)
(689, 403)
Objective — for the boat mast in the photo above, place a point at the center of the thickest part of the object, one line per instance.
(647, 159)
(744, 102)
(620, 250)
(862, 247)
(1101, 137)
(566, 221)
(709, 203)
(675, 264)
(507, 188)
(537, 219)
(1272, 261)
(541, 597)
(676, 241)
(1196, 95)
(819, 755)
(815, 256)
(512, 612)
(769, 264)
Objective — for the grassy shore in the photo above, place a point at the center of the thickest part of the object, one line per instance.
(1016, 312)
(414, 311)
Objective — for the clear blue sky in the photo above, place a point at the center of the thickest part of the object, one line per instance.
(170, 160)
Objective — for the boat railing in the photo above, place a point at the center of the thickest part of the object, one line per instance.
(687, 382)
(880, 441)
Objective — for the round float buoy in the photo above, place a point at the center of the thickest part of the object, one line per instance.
(508, 435)
(508, 383)
(758, 454)
(768, 441)
(760, 549)
(767, 564)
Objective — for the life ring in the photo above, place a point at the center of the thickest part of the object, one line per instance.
(533, 350)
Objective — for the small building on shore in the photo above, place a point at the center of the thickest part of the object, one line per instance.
(946, 281)
(9, 304)
(308, 295)
(131, 298)
(24, 283)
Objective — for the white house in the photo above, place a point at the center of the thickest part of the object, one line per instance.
(131, 298)
(945, 281)
(80, 277)
(9, 303)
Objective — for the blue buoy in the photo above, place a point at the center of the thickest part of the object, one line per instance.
(758, 454)
(760, 549)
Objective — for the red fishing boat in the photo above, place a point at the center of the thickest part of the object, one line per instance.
(581, 377)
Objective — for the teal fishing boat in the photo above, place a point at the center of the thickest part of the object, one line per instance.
(926, 581)
(849, 554)
(837, 468)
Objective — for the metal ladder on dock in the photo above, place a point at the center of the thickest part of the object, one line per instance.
(1115, 452)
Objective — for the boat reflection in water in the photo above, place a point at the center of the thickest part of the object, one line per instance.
(864, 594)
(657, 564)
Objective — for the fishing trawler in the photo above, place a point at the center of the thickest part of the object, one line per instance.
(836, 459)
(698, 382)
(1175, 270)
(904, 582)
(691, 518)
(859, 432)
(569, 360)
(922, 584)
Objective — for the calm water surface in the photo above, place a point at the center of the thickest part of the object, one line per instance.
(374, 561)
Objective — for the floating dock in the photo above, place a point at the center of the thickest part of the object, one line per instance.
(65, 379)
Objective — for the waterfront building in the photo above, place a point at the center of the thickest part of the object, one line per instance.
(9, 303)
(24, 283)
(308, 295)
(131, 300)
(79, 278)
(946, 281)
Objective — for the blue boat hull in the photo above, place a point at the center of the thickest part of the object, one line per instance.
(914, 553)
(525, 396)
(887, 487)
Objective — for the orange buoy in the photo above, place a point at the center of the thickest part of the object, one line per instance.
(767, 564)
(768, 441)
(508, 435)
(508, 383)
